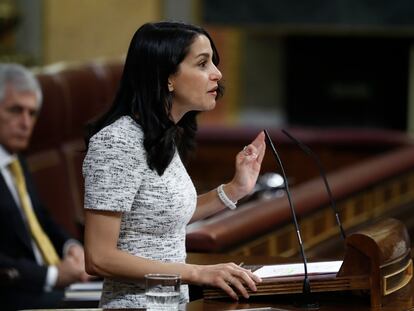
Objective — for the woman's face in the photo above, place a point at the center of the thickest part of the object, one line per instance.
(194, 85)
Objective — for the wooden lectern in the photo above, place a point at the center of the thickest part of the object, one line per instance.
(377, 259)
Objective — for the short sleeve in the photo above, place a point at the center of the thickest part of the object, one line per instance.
(112, 170)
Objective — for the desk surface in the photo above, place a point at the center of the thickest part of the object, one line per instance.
(402, 300)
(327, 302)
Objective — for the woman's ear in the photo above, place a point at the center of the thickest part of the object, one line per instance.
(170, 86)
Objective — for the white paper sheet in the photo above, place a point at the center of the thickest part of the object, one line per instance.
(298, 269)
(86, 286)
(83, 295)
(90, 291)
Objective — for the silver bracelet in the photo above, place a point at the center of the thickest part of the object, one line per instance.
(224, 198)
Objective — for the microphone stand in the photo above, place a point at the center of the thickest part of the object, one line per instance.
(306, 290)
(313, 155)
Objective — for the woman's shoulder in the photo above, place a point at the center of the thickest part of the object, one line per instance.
(124, 131)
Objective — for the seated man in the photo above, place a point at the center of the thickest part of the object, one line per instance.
(37, 258)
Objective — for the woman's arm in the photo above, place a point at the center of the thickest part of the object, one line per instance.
(103, 258)
(209, 203)
(248, 163)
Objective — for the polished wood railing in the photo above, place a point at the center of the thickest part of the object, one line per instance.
(380, 186)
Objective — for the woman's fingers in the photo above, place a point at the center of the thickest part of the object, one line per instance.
(254, 276)
(245, 278)
(249, 152)
(236, 283)
(261, 148)
(259, 140)
(248, 277)
(228, 289)
(256, 149)
(232, 279)
(241, 278)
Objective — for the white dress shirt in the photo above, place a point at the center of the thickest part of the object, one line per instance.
(5, 159)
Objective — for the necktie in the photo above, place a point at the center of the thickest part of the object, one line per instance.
(43, 243)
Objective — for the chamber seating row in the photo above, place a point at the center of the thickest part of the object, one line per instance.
(73, 95)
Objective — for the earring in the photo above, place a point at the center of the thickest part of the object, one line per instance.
(170, 87)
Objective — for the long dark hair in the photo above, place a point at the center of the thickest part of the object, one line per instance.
(155, 52)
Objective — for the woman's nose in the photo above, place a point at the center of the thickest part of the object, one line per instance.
(216, 74)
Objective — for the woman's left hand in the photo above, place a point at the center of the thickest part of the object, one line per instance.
(248, 163)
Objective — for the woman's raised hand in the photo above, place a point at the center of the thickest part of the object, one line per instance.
(248, 163)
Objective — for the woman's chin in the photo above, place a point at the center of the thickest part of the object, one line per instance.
(211, 107)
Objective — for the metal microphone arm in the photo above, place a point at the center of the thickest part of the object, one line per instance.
(313, 155)
(306, 284)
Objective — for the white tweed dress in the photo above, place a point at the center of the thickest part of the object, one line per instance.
(155, 209)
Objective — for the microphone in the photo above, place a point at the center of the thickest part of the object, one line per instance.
(306, 284)
(313, 155)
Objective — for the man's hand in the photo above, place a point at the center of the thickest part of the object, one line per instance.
(76, 252)
(72, 267)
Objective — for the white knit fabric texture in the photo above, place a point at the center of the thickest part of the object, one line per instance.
(155, 209)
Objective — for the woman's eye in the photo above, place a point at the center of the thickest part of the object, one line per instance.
(202, 64)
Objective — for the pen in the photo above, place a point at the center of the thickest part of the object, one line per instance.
(241, 264)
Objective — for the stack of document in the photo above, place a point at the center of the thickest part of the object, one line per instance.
(84, 291)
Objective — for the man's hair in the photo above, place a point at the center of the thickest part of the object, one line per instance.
(20, 78)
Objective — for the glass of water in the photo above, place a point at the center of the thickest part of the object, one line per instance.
(162, 291)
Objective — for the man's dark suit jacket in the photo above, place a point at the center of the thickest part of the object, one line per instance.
(22, 280)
